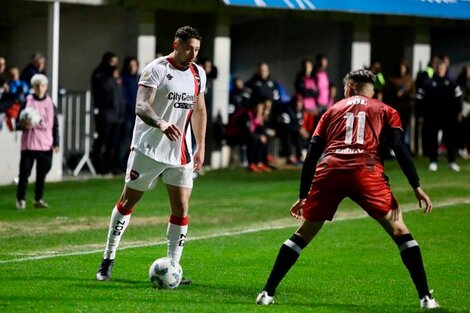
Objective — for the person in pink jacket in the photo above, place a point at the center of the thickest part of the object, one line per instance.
(37, 142)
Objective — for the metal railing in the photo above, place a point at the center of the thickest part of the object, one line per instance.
(75, 106)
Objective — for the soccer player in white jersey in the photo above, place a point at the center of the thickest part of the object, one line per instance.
(170, 97)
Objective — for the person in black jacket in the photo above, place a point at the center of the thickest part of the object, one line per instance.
(439, 107)
(101, 79)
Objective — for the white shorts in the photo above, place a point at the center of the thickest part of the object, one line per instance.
(142, 173)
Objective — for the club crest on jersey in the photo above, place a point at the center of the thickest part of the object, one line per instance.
(134, 175)
(169, 76)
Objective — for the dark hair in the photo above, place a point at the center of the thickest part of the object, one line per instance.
(107, 56)
(187, 32)
(126, 65)
(360, 76)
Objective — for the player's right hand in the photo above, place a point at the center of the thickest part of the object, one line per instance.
(170, 130)
(423, 197)
(297, 209)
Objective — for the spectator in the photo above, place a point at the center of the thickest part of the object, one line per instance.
(37, 143)
(399, 94)
(379, 85)
(290, 131)
(463, 81)
(323, 83)
(18, 89)
(307, 91)
(439, 107)
(130, 80)
(239, 97)
(36, 66)
(101, 79)
(246, 129)
(3, 76)
(265, 94)
(113, 111)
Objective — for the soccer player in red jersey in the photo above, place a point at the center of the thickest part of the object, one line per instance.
(348, 136)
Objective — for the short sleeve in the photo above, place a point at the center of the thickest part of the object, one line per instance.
(152, 75)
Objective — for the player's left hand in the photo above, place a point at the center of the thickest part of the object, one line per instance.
(198, 160)
(297, 209)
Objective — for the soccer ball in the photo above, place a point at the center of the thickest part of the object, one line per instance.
(30, 114)
(165, 273)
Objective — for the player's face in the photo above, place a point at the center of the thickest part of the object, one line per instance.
(186, 52)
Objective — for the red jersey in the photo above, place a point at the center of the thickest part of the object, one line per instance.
(351, 129)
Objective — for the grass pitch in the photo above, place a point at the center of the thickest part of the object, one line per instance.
(48, 258)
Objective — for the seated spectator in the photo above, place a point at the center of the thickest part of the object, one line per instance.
(290, 131)
(17, 88)
(245, 128)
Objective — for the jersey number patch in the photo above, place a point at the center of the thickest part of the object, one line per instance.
(361, 123)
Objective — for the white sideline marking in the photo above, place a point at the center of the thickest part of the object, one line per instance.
(222, 234)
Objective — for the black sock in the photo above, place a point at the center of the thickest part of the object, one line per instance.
(411, 257)
(287, 256)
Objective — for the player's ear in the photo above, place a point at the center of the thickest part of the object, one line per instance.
(176, 45)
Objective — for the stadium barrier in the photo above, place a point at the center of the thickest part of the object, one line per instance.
(75, 106)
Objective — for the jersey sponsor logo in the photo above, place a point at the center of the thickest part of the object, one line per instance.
(183, 100)
(182, 97)
(183, 105)
(134, 175)
(169, 76)
(349, 151)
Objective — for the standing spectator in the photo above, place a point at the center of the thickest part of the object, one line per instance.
(464, 82)
(439, 107)
(306, 87)
(307, 91)
(399, 94)
(323, 83)
(37, 143)
(130, 79)
(101, 79)
(36, 66)
(114, 111)
(351, 167)
(379, 85)
(170, 102)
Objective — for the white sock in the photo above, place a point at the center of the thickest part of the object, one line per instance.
(117, 226)
(176, 235)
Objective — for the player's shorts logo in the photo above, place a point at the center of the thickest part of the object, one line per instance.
(134, 175)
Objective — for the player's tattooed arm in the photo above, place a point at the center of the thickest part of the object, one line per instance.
(143, 109)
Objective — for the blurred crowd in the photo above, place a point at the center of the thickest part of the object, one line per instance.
(261, 114)
(267, 126)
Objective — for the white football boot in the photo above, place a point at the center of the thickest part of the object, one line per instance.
(264, 299)
(428, 303)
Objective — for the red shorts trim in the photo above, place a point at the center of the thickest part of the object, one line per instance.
(369, 188)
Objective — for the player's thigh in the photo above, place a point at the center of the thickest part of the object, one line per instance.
(142, 172)
(328, 190)
(372, 193)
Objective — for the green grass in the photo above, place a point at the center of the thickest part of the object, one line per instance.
(239, 220)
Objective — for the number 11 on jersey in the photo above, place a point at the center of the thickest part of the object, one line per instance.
(361, 123)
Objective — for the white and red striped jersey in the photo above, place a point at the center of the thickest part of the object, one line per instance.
(177, 93)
